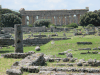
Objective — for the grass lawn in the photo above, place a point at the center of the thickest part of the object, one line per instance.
(54, 49)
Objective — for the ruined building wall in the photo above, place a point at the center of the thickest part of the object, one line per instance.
(57, 17)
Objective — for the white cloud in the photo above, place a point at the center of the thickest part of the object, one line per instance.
(49, 4)
(83, 1)
(54, 1)
(33, 1)
(90, 4)
(1, 1)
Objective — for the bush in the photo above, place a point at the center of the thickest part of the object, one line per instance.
(42, 22)
(89, 26)
(63, 25)
(52, 25)
(30, 25)
(72, 25)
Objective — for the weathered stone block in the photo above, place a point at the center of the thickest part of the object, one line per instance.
(69, 55)
(65, 60)
(13, 72)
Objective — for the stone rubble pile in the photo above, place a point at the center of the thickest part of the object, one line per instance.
(36, 59)
(17, 55)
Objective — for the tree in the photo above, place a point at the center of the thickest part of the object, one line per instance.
(4, 11)
(97, 12)
(10, 19)
(42, 22)
(0, 19)
(90, 18)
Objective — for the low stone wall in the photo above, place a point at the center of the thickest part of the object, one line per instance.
(39, 35)
(17, 55)
(35, 29)
(41, 41)
(6, 41)
(8, 29)
(91, 33)
(84, 42)
(26, 29)
(34, 41)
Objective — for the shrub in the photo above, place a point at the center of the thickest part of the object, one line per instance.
(30, 25)
(89, 26)
(42, 22)
(52, 25)
(72, 25)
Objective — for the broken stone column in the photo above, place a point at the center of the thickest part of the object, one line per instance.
(0, 30)
(18, 38)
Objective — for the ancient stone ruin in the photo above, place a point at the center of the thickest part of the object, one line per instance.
(4, 35)
(18, 38)
(57, 17)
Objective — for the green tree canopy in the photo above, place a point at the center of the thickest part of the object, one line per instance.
(10, 19)
(0, 19)
(90, 18)
(4, 11)
(97, 12)
(42, 22)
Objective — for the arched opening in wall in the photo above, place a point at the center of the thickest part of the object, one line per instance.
(74, 18)
(36, 17)
(54, 17)
(27, 19)
(69, 19)
(81, 15)
(59, 20)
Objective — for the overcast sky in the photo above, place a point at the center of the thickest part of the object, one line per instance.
(50, 4)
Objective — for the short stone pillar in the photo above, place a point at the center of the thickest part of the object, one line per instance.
(49, 36)
(51, 28)
(98, 31)
(75, 32)
(39, 33)
(0, 30)
(64, 35)
(65, 29)
(18, 38)
(87, 31)
(44, 28)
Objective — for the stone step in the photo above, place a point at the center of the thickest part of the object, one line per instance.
(36, 69)
(71, 69)
(64, 64)
(61, 73)
(17, 55)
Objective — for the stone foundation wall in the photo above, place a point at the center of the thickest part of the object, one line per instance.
(8, 29)
(34, 29)
(34, 41)
(6, 41)
(25, 29)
